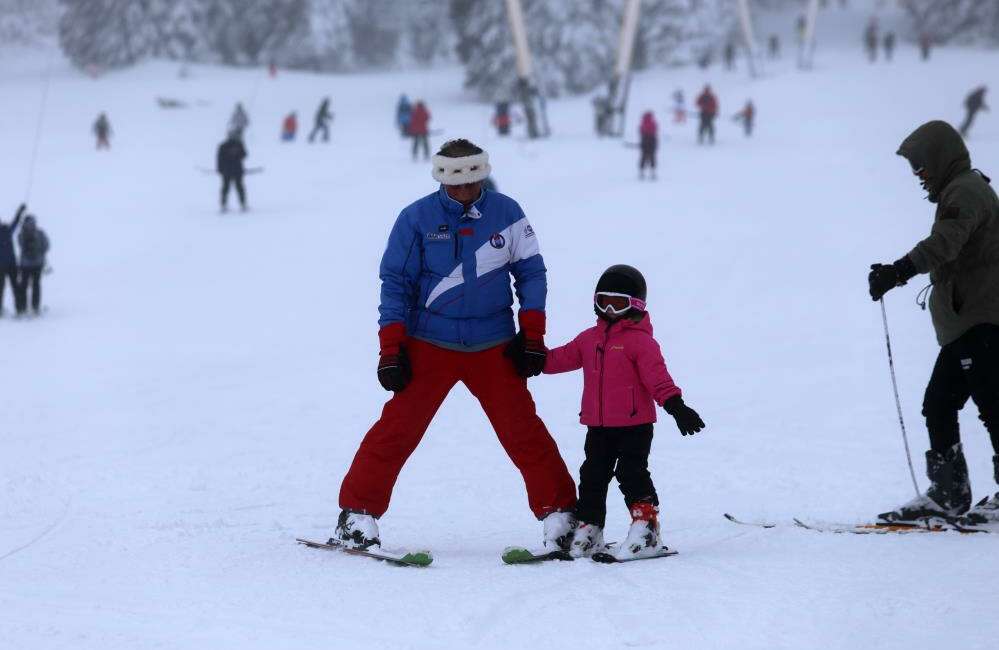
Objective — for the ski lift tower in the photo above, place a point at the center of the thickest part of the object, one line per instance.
(530, 97)
(746, 23)
(806, 55)
(610, 110)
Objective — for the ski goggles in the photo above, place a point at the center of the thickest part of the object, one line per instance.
(616, 303)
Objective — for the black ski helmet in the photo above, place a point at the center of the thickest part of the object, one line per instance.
(625, 279)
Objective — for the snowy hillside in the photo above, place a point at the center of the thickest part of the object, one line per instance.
(198, 386)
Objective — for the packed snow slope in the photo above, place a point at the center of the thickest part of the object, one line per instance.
(195, 392)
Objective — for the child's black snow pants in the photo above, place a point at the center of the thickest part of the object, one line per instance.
(621, 452)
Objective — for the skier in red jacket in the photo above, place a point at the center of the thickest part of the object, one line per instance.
(648, 131)
(624, 378)
(707, 103)
(419, 129)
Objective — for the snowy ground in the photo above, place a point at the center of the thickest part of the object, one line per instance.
(200, 382)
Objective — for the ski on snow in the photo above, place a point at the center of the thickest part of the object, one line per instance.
(396, 558)
(929, 525)
(521, 555)
(608, 558)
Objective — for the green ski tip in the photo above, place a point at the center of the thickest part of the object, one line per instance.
(516, 555)
(419, 558)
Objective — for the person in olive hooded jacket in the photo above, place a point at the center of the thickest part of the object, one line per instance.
(961, 255)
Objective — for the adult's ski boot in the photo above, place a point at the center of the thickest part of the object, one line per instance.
(356, 530)
(949, 494)
(643, 536)
(558, 531)
(586, 540)
(986, 511)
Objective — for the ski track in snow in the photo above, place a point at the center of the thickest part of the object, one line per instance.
(201, 382)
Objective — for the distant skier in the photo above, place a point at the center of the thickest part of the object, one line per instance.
(960, 256)
(419, 130)
(239, 121)
(889, 45)
(773, 46)
(871, 39)
(34, 247)
(322, 121)
(603, 115)
(8, 261)
(801, 28)
(728, 54)
(679, 107)
(102, 129)
(925, 45)
(747, 116)
(973, 103)
(403, 114)
(289, 127)
(502, 120)
(446, 317)
(619, 411)
(229, 165)
(648, 132)
(707, 104)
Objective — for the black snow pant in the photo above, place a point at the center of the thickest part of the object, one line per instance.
(237, 180)
(968, 119)
(31, 276)
(324, 128)
(614, 451)
(706, 129)
(421, 142)
(10, 273)
(648, 159)
(968, 367)
(747, 126)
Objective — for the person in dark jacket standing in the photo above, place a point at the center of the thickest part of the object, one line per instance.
(974, 102)
(8, 261)
(102, 129)
(889, 44)
(229, 164)
(322, 123)
(960, 256)
(707, 104)
(403, 111)
(34, 247)
(648, 132)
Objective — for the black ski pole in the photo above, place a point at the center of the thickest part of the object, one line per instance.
(898, 402)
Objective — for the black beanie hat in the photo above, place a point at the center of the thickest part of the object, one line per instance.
(625, 279)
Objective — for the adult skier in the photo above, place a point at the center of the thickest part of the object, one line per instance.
(871, 39)
(239, 120)
(502, 120)
(728, 55)
(8, 261)
(34, 247)
(229, 165)
(322, 121)
(102, 129)
(707, 104)
(773, 46)
(925, 45)
(974, 102)
(446, 317)
(648, 132)
(889, 43)
(419, 130)
(960, 256)
(403, 113)
(289, 127)
(747, 116)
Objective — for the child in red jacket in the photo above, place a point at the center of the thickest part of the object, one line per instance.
(624, 377)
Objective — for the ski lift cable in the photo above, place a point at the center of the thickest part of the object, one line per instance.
(39, 123)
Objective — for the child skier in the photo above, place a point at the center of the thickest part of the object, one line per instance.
(289, 127)
(624, 376)
(648, 131)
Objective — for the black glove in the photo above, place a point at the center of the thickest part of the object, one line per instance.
(687, 419)
(528, 354)
(885, 277)
(394, 371)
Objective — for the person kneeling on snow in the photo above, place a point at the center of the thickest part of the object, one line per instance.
(446, 317)
(624, 377)
(961, 257)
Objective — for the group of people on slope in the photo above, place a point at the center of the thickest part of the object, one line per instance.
(25, 273)
(320, 124)
(446, 317)
(413, 121)
(873, 40)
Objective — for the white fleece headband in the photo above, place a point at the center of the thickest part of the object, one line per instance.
(459, 171)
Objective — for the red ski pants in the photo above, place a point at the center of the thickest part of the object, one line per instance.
(491, 378)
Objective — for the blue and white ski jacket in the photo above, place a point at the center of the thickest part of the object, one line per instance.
(446, 271)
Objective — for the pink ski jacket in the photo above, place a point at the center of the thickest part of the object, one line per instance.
(624, 374)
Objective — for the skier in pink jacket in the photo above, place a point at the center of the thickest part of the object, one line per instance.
(624, 377)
